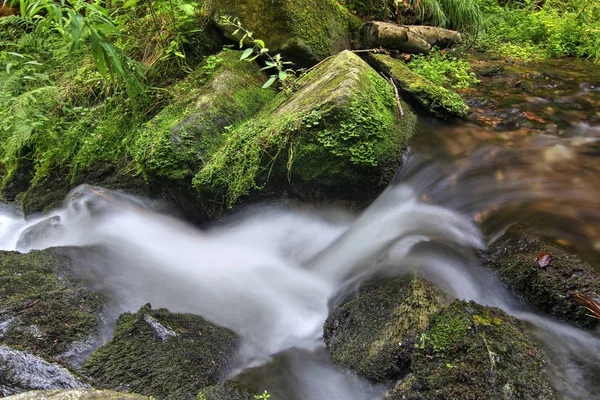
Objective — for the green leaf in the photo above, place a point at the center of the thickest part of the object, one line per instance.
(282, 75)
(271, 81)
(130, 3)
(259, 42)
(246, 53)
(76, 29)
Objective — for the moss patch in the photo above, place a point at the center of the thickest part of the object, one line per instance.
(475, 352)
(375, 331)
(514, 258)
(438, 100)
(45, 311)
(339, 132)
(166, 355)
(78, 394)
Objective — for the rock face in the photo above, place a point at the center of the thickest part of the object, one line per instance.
(43, 308)
(515, 259)
(172, 147)
(407, 38)
(401, 330)
(374, 332)
(79, 394)
(20, 372)
(340, 132)
(305, 30)
(438, 100)
(475, 352)
(168, 356)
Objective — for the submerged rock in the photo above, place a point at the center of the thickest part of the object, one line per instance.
(166, 355)
(78, 394)
(339, 135)
(20, 372)
(436, 99)
(43, 308)
(475, 352)
(514, 257)
(374, 332)
(305, 30)
(407, 38)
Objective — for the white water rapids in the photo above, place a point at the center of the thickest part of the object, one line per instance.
(269, 275)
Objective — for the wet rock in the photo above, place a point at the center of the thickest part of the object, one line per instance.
(374, 332)
(172, 147)
(407, 38)
(44, 309)
(40, 234)
(166, 355)
(20, 372)
(78, 394)
(514, 257)
(438, 100)
(339, 135)
(306, 31)
(475, 352)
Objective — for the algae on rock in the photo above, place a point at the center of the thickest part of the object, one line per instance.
(77, 394)
(166, 355)
(340, 132)
(375, 331)
(514, 258)
(438, 100)
(43, 308)
(475, 352)
(305, 30)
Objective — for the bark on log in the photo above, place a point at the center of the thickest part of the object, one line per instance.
(407, 38)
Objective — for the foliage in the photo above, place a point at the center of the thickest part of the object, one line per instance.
(443, 69)
(554, 28)
(258, 48)
(263, 396)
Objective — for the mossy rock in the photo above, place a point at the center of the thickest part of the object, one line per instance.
(438, 100)
(306, 31)
(337, 135)
(514, 257)
(474, 352)
(374, 332)
(165, 355)
(43, 308)
(171, 148)
(77, 394)
(49, 193)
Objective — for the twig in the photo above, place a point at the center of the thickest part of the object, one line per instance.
(396, 93)
(589, 303)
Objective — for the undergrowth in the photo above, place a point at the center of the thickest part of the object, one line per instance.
(443, 70)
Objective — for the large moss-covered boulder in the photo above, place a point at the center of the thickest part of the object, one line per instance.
(438, 100)
(475, 352)
(338, 134)
(165, 355)
(20, 372)
(374, 331)
(43, 308)
(305, 30)
(171, 148)
(516, 257)
(77, 394)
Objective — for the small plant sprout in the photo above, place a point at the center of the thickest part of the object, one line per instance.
(263, 396)
(257, 49)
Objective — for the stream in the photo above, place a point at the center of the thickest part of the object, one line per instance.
(271, 272)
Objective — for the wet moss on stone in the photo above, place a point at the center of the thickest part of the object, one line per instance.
(514, 258)
(375, 331)
(436, 99)
(43, 310)
(78, 394)
(162, 354)
(339, 131)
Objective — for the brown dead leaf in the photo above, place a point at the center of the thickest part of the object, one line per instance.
(532, 117)
(543, 259)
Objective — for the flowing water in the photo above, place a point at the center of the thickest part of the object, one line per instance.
(271, 273)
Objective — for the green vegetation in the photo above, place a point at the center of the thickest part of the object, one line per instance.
(443, 70)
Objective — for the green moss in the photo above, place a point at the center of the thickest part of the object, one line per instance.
(340, 129)
(78, 394)
(50, 312)
(309, 30)
(375, 331)
(193, 355)
(476, 352)
(440, 101)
